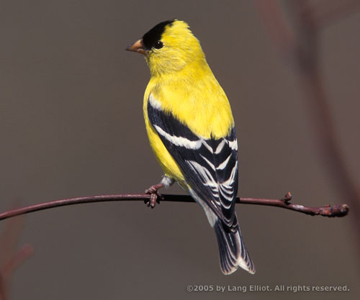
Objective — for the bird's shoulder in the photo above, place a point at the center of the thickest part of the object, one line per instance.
(196, 100)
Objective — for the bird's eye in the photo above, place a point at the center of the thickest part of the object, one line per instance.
(158, 45)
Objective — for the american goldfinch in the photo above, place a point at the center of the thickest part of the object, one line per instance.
(191, 131)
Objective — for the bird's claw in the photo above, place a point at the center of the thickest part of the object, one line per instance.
(154, 196)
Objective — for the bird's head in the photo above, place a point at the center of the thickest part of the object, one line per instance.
(169, 47)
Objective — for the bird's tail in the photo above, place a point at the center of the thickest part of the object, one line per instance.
(233, 253)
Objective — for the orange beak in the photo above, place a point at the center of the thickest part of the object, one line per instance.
(137, 47)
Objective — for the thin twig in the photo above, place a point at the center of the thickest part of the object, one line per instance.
(326, 210)
(17, 260)
(10, 258)
(325, 11)
(278, 29)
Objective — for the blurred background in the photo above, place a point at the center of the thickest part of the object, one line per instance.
(71, 125)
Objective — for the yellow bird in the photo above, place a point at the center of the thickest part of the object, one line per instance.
(191, 130)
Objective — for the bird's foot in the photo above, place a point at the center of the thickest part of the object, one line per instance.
(154, 195)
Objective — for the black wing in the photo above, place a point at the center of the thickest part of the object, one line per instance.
(210, 166)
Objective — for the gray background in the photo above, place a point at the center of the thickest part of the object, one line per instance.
(71, 125)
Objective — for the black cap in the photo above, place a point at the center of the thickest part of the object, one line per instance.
(153, 36)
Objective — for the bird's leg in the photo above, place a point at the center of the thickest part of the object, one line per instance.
(153, 191)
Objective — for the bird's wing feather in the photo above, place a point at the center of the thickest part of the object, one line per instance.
(210, 166)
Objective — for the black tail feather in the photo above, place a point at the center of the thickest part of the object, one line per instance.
(233, 253)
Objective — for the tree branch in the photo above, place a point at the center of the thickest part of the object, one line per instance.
(307, 22)
(326, 210)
